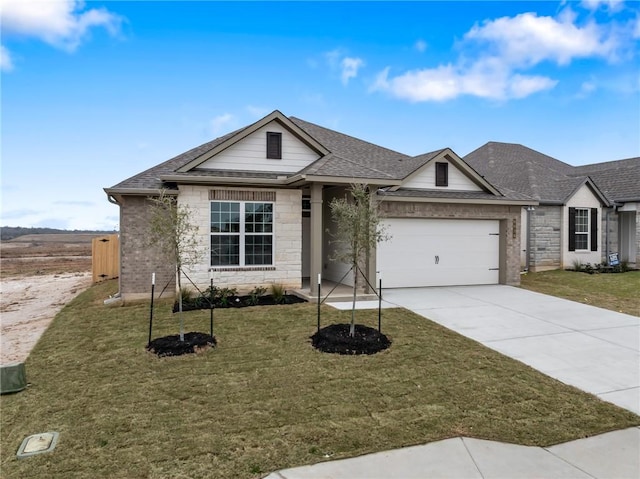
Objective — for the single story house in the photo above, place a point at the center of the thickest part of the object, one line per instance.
(260, 199)
(584, 213)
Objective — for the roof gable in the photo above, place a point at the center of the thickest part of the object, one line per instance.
(461, 176)
(250, 153)
(242, 134)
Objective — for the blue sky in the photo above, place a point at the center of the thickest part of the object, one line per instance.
(95, 92)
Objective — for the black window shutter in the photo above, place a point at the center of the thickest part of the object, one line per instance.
(274, 145)
(572, 229)
(442, 174)
(594, 229)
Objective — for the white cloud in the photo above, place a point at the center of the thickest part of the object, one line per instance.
(257, 111)
(497, 56)
(6, 64)
(612, 5)
(221, 123)
(447, 82)
(61, 23)
(350, 67)
(526, 39)
(420, 45)
(347, 66)
(587, 88)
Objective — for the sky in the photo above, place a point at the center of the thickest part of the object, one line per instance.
(95, 92)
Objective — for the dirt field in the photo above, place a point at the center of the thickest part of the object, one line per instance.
(40, 274)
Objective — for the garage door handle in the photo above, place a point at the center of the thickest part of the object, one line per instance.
(437, 259)
(494, 269)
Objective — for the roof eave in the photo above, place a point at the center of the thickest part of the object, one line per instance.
(475, 201)
(351, 181)
(223, 180)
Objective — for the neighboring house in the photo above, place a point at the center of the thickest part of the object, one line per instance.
(584, 213)
(260, 198)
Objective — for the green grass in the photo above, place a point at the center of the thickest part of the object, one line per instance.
(617, 292)
(264, 399)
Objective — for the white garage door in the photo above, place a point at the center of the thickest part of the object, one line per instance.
(435, 252)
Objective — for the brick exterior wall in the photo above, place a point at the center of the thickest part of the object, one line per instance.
(546, 224)
(137, 260)
(509, 217)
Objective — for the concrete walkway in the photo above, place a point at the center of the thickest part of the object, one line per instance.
(608, 456)
(593, 349)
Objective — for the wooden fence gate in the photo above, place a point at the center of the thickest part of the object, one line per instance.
(105, 257)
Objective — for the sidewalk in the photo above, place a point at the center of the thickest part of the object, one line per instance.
(613, 455)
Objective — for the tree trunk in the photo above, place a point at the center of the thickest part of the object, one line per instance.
(352, 329)
(179, 283)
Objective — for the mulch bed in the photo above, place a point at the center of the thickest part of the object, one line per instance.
(335, 339)
(172, 346)
(237, 302)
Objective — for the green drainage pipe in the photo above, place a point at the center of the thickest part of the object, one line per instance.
(13, 378)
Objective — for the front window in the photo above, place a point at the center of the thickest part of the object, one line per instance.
(582, 228)
(241, 233)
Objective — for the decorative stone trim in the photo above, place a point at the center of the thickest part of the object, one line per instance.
(245, 268)
(240, 195)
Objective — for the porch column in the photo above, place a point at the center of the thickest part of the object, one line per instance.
(315, 249)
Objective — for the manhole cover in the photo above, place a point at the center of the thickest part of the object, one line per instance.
(37, 444)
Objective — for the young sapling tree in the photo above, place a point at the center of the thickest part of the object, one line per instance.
(358, 231)
(171, 229)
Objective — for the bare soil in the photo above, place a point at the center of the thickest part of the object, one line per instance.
(39, 276)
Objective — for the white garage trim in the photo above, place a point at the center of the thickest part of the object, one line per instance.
(439, 252)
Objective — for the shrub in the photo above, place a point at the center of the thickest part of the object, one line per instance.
(278, 293)
(254, 295)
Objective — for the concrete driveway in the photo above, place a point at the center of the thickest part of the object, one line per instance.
(591, 348)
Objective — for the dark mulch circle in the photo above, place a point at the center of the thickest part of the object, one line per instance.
(172, 346)
(335, 339)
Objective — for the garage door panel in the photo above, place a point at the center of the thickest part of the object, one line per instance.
(433, 252)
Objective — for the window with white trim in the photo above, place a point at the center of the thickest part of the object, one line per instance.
(582, 229)
(241, 233)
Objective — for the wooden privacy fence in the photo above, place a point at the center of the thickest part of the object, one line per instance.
(105, 257)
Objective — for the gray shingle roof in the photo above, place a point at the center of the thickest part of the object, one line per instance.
(349, 158)
(150, 179)
(619, 180)
(527, 171)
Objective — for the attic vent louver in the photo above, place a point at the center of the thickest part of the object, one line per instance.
(274, 145)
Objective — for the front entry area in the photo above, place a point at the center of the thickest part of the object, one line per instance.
(439, 252)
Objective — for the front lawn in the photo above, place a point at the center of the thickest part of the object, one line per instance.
(617, 292)
(264, 399)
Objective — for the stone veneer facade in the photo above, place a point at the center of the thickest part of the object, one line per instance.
(287, 267)
(509, 217)
(546, 224)
(138, 261)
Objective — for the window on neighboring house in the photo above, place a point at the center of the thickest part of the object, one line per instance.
(274, 145)
(583, 229)
(241, 233)
(442, 174)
